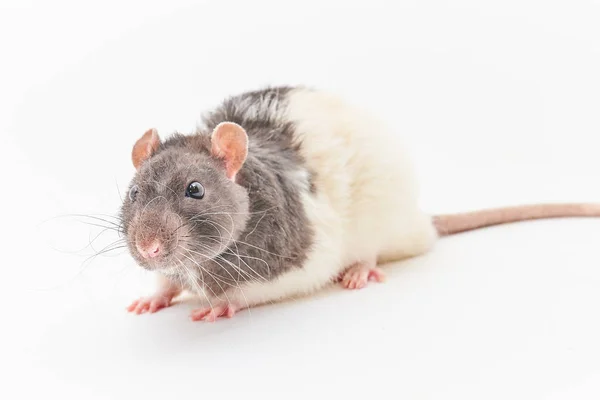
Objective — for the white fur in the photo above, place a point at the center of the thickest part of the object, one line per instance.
(366, 203)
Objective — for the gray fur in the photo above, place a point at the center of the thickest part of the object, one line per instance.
(251, 230)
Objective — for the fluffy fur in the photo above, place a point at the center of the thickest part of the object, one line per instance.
(354, 214)
(324, 187)
(325, 190)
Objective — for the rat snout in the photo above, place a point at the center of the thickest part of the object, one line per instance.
(153, 236)
(153, 248)
(149, 249)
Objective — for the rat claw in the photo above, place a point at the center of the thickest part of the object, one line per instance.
(230, 312)
(150, 304)
(358, 275)
(210, 317)
(376, 275)
(199, 314)
(132, 306)
(209, 314)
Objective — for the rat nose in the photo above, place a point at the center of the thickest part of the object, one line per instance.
(150, 250)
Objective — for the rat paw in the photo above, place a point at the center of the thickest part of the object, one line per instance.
(151, 304)
(210, 314)
(357, 276)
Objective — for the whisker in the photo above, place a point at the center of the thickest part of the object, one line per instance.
(239, 287)
(238, 268)
(194, 283)
(212, 259)
(239, 257)
(255, 226)
(118, 190)
(247, 265)
(250, 245)
(217, 279)
(93, 217)
(252, 258)
(116, 229)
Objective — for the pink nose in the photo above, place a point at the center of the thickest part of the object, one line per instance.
(150, 250)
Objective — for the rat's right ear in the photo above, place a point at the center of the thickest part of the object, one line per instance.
(229, 142)
(145, 147)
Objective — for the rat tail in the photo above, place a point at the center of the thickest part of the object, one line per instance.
(450, 224)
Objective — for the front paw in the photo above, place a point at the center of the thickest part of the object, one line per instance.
(210, 314)
(151, 303)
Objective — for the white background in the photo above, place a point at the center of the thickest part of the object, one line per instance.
(499, 101)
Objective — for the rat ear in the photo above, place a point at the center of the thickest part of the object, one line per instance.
(229, 142)
(145, 147)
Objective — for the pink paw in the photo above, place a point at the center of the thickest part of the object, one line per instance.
(211, 314)
(357, 276)
(151, 304)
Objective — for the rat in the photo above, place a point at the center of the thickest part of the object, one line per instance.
(280, 192)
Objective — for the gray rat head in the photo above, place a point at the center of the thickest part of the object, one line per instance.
(184, 203)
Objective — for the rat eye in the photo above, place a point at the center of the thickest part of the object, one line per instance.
(133, 192)
(195, 190)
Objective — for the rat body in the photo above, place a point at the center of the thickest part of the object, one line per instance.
(279, 193)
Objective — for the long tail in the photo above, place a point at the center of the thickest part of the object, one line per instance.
(450, 224)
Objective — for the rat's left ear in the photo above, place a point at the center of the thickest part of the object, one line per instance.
(229, 142)
(144, 147)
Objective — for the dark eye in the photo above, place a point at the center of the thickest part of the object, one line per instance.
(195, 190)
(133, 192)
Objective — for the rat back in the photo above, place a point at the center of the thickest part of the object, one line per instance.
(366, 175)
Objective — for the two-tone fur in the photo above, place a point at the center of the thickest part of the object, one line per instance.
(364, 207)
(281, 192)
(252, 230)
(305, 205)
(311, 200)
(324, 189)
